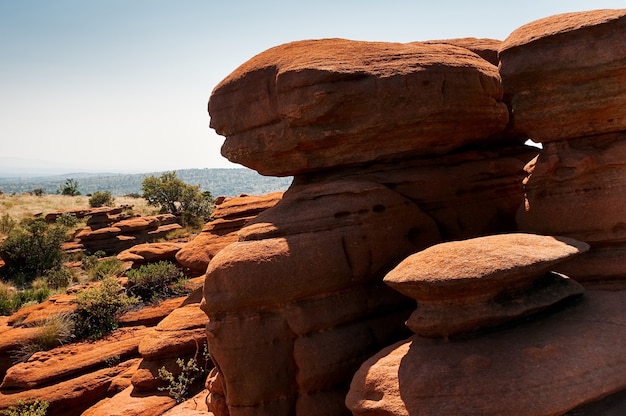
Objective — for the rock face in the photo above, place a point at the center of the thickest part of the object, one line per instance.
(113, 235)
(532, 369)
(565, 77)
(394, 148)
(463, 286)
(229, 216)
(312, 105)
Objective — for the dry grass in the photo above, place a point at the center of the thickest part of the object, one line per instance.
(27, 205)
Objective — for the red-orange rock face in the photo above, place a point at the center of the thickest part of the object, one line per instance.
(565, 75)
(533, 369)
(312, 105)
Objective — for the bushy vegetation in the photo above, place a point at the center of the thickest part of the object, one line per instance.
(104, 268)
(101, 199)
(155, 281)
(99, 309)
(69, 188)
(180, 385)
(33, 407)
(56, 330)
(32, 249)
(174, 196)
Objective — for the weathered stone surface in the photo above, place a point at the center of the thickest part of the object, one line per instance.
(131, 403)
(73, 396)
(344, 232)
(308, 266)
(227, 219)
(196, 406)
(484, 47)
(152, 314)
(565, 75)
(179, 334)
(576, 188)
(150, 252)
(47, 367)
(311, 105)
(533, 369)
(466, 285)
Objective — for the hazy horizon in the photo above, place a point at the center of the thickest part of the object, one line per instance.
(122, 86)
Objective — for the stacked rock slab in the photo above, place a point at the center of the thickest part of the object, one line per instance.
(393, 148)
(467, 286)
(565, 78)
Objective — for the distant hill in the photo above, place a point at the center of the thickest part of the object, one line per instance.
(220, 182)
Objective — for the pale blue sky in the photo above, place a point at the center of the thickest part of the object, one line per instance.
(122, 85)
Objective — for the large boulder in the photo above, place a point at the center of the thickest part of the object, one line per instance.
(463, 286)
(318, 104)
(544, 367)
(564, 75)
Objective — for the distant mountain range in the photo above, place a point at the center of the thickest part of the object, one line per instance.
(220, 182)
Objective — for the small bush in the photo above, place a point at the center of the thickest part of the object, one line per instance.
(99, 309)
(36, 407)
(7, 224)
(32, 249)
(37, 192)
(178, 387)
(104, 268)
(100, 199)
(155, 281)
(60, 277)
(7, 298)
(70, 188)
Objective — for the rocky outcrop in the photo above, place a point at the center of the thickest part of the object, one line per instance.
(113, 212)
(467, 285)
(312, 105)
(150, 252)
(564, 76)
(113, 235)
(228, 217)
(394, 148)
(531, 369)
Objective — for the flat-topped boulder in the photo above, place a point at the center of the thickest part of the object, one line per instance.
(486, 48)
(462, 286)
(565, 75)
(317, 104)
(150, 252)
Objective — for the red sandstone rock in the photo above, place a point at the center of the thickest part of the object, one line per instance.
(312, 105)
(131, 403)
(465, 285)
(483, 47)
(150, 252)
(533, 369)
(152, 314)
(48, 367)
(137, 224)
(227, 219)
(196, 406)
(564, 75)
(73, 396)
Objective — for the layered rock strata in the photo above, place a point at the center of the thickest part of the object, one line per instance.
(394, 148)
(565, 78)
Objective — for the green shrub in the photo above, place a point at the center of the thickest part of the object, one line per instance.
(99, 308)
(59, 277)
(104, 268)
(32, 249)
(70, 188)
(179, 386)
(101, 198)
(154, 281)
(7, 297)
(176, 197)
(37, 192)
(36, 407)
(7, 224)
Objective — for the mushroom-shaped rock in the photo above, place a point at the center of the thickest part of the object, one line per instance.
(565, 75)
(462, 286)
(311, 105)
(150, 252)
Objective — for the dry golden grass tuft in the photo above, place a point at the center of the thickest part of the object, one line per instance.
(26, 205)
